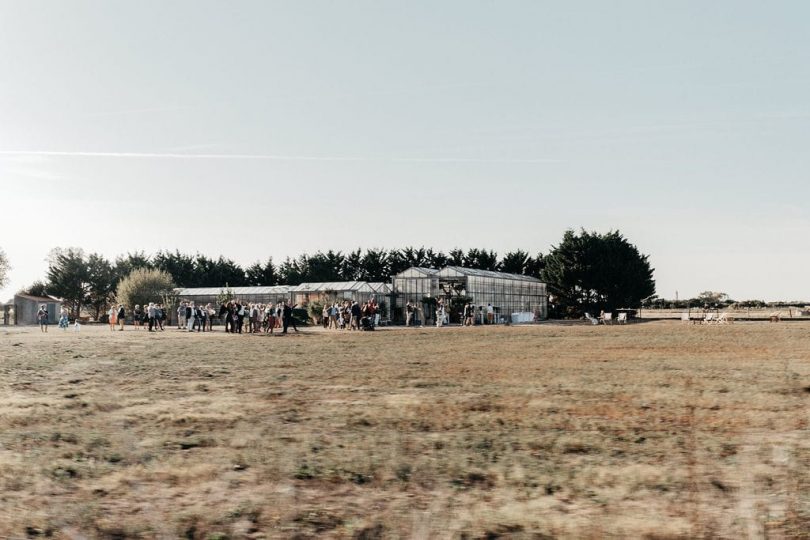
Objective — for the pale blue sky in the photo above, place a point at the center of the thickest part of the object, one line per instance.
(459, 123)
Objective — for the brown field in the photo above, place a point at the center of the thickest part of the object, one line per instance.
(652, 430)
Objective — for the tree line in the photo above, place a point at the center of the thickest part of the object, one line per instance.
(585, 270)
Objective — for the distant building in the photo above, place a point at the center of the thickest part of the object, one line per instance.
(22, 310)
(338, 291)
(513, 297)
(251, 295)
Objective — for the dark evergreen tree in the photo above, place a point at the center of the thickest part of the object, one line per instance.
(264, 275)
(67, 277)
(101, 281)
(352, 266)
(592, 271)
(515, 262)
(374, 266)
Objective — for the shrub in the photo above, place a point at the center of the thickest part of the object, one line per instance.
(143, 285)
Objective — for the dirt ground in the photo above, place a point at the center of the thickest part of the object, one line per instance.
(650, 430)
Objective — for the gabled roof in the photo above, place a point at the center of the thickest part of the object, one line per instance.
(343, 286)
(417, 271)
(236, 291)
(37, 298)
(458, 271)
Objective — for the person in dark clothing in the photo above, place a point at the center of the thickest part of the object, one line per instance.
(224, 315)
(356, 312)
(287, 318)
(161, 316)
(239, 317)
(122, 317)
(203, 318)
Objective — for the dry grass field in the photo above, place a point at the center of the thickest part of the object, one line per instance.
(652, 430)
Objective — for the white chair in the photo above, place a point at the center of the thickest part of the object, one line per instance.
(622, 319)
(607, 318)
(709, 318)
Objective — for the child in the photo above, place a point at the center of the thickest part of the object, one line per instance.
(63, 319)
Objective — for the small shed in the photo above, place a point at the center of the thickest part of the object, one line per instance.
(23, 309)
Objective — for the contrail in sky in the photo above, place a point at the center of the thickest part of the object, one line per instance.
(267, 157)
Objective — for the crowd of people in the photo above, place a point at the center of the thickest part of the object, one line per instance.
(238, 318)
(350, 315)
(255, 318)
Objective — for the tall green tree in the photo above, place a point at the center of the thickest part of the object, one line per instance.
(264, 275)
(455, 257)
(375, 266)
(37, 288)
(180, 266)
(125, 264)
(352, 266)
(100, 283)
(68, 276)
(291, 271)
(515, 262)
(592, 271)
(481, 259)
(210, 272)
(435, 259)
(535, 265)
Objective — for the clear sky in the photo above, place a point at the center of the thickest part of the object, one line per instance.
(255, 129)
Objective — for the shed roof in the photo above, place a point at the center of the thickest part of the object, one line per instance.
(37, 298)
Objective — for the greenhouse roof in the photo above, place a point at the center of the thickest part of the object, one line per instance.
(417, 270)
(341, 286)
(236, 291)
(455, 271)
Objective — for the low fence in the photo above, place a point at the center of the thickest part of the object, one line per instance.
(740, 314)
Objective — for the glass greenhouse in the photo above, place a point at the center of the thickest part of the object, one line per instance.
(337, 291)
(509, 294)
(255, 295)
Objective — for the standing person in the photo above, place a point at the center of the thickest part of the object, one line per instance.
(160, 316)
(325, 316)
(42, 318)
(271, 318)
(490, 314)
(122, 317)
(209, 309)
(181, 315)
(63, 318)
(255, 321)
(151, 313)
(240, 316)
(190, 317)
(469, 315)
(137, 315)
(288, 318)
(333, 315)
(200, 316)
(225, 316)
(355, 314)
(408, 313)
(111, 317)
